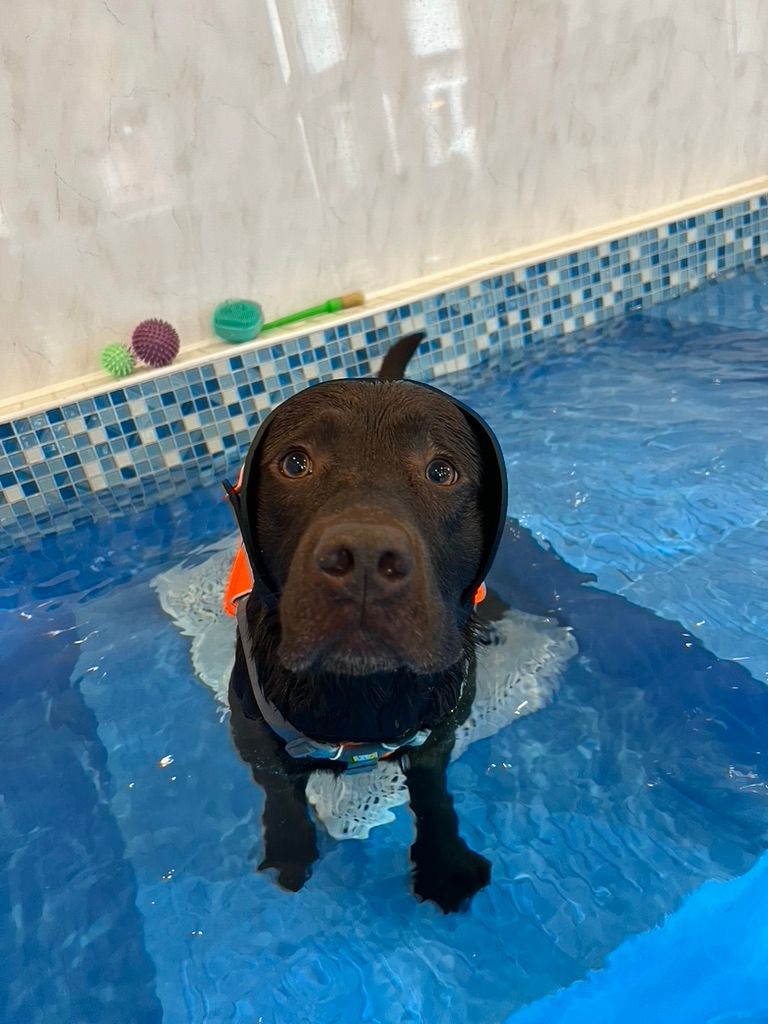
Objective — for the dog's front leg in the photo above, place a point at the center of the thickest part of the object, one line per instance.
(290, 846)
(445, 870)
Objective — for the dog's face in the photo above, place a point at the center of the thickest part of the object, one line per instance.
(370, 523)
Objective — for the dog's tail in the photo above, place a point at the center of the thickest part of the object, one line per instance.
(398, 357)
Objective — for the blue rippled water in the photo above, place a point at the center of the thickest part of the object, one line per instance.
(626, 823)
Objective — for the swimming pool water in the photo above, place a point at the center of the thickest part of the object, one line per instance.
(626, 823)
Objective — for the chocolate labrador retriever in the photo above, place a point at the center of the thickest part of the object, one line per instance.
(370, 512)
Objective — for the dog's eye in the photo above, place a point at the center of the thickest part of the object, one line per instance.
(296, 464)
(441, 472)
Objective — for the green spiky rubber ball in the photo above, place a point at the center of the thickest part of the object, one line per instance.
(117, 360)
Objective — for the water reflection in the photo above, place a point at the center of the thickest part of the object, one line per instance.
(447, 132)
(277, 33)
(319, 38)
(434, 26)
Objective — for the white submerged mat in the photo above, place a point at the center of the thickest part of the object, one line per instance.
(516, 675)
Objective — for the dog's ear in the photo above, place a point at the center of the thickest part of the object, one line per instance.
(398, 357)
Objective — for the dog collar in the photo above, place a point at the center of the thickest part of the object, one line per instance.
(243, 498)
(355, 757)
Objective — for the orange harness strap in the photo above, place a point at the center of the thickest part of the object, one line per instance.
(240, 582)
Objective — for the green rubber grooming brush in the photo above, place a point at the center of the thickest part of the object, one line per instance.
(238, 320)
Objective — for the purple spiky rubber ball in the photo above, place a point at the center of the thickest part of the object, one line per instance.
(155, 343)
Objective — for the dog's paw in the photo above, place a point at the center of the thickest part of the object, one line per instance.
(290, 875)
(449, 878)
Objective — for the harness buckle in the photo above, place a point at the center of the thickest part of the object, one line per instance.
(359, 763)
(303, 746)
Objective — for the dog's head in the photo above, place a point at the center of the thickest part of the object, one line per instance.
(371, 510)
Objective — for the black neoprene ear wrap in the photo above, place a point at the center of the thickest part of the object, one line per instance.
(494, 488)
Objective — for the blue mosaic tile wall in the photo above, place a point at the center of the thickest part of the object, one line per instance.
(138, 444)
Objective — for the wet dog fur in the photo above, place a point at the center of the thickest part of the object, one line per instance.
(371, 515)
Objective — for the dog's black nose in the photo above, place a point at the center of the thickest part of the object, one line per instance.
(364, 558)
